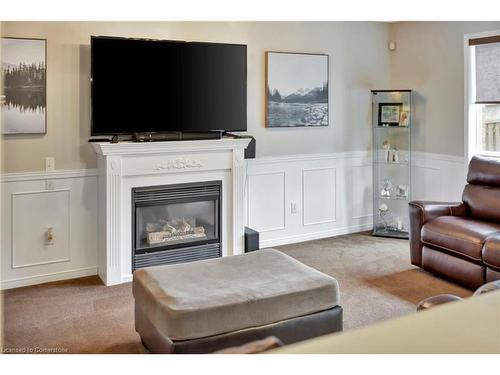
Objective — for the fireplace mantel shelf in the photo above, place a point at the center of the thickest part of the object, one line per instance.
(126, 165)
(138, 148)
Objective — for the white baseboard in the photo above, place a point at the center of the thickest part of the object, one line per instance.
(315, 235)
(124, 279)
(127, 278)
(40, 279)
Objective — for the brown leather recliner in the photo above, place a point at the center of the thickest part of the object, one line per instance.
(461, 241)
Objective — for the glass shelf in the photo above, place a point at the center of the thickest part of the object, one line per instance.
(393, 198)
(391, 162)
(382, 232)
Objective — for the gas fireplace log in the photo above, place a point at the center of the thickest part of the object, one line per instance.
(166, 236)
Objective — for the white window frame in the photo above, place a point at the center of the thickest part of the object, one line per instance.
(470, 113)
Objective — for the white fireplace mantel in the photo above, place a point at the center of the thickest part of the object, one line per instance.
(125, 165)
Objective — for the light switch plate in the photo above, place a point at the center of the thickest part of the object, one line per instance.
(50, 163)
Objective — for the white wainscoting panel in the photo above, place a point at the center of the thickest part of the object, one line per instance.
(318, 196)
(33, 213)
(266, 214)
(362, 192)
(34, 201)
(331, 194)
(318, 202)
(427, 183)
(437, 177)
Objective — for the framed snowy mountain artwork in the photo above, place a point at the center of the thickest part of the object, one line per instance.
(23, 101)
(297, 89)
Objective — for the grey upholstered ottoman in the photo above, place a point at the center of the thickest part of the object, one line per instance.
(204, 306)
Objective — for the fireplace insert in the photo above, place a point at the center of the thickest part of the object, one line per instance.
(176, 223)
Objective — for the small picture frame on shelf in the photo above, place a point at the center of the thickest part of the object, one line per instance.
(403, 118)
(389, 114)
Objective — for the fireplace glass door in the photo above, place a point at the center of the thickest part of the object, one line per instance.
(176, 223)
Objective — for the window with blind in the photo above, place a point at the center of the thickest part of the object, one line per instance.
(485, 71)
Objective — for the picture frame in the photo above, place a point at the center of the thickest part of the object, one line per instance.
(24, 74)
(389, 114)
(297, 89)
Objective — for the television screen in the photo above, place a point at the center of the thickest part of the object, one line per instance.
(141, 85)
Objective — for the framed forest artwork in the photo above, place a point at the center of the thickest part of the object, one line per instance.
(297, 89)
(24, 68)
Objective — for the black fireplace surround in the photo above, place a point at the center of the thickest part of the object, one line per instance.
(176, 223)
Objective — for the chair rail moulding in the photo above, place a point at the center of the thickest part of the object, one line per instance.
(126, 165)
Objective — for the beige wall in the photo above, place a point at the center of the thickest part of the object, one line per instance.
(430, 60)
(358, 56)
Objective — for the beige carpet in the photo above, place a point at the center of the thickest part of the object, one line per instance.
(376, 281)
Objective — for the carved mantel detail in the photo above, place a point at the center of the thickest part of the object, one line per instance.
(178, 163)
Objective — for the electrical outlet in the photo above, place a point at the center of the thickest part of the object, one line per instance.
(50, 163)
(49, 185)
(293, 208)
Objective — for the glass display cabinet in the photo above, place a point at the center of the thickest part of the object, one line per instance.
(391, 119)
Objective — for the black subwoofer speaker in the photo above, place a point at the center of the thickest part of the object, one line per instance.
(250, 150)
(251, 240)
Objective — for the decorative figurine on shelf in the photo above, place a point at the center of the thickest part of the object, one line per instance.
(395, 155)
(385, 215)
(386, 146)
(383, 210)
(403, 119)
(402, 191)
(399, 224)
(386, 189)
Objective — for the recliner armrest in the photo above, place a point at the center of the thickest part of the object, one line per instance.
(430, 210)
(423, 211)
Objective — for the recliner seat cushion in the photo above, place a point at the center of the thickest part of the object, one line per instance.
(491, 251)
(459, 235)
(210, 297)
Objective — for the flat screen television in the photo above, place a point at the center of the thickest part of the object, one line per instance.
(149, 86)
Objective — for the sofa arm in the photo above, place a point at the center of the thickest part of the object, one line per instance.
(423, 211)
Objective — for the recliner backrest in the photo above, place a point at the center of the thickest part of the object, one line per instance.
(482, 194)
